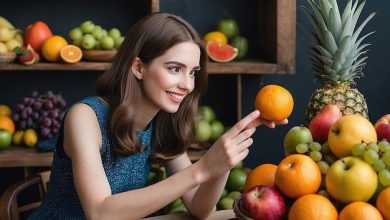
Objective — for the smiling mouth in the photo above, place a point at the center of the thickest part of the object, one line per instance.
(175, 97)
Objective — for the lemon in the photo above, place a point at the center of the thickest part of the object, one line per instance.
(216, 36)
(30, 137)
(17, 138)
(5, 110)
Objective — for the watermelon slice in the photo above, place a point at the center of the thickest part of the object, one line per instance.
(221, 52)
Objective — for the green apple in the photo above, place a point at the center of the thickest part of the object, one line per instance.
(351, 179)
(296, 135)
(226, 203)
(217, 130)
(88, 42)
(5, 138)
(107, 43)
(118, 42)
(87, 27)
(97, 32)
(75, 33)
(115, 33)
(234, 194)
(236, 180)
(207, 113)
(202, 131)
(224, 193)
(229, 27)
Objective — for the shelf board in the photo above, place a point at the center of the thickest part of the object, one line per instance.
(27, 157)
(235, 67)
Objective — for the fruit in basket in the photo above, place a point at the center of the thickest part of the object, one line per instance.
(51, 48)
(87, 27)
(241, 43)
(17, 138)
(229, 27)
(320, 125)
(274, 102)
(297, 175)
(382, 127)
(263, 202)
(338, 56)
(30, 137)
(88, 42)
(348, 131)
(36, 34)
(115, 33)
(312, 206)
(3, 48)
(107, 43)
(202, 131)
(221, 53)
(7, 124)
(5, 138)
(263, 174)
(383, 203)
(75, 33)
(71, 54)
(351, 179)
(236, 180)
(296, 135)
(360, 210)
(5, 23)
(217, 130)
(6, 34)
(207, 113)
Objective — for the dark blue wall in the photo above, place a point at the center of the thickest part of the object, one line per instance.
(268, 145)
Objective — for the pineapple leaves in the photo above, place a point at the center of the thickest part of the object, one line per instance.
(347, 11)
(325, 8)
(317, 16)
(329, 42)
(338, 26)
(310, 35)
(357, 32)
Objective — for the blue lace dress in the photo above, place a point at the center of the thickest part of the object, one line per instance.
(123, 173)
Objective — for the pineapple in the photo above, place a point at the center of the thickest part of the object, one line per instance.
(338, 56)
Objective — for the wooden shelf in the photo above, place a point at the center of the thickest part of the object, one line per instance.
(241, 67)
(27, 157)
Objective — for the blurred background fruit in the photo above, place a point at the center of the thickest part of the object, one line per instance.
(229, 27)
(241, 43)
(208, 128)
(5, 138)
(10, 37)
(7, 124)
(52, 46)
(236, 180)
(30, 137)
(5, 110)
(215, 36)
(36, 34)
(221, 53)
(71, 54)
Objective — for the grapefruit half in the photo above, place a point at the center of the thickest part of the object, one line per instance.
(221, 52)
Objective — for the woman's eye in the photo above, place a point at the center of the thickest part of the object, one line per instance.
(193, 73)
(175, 69)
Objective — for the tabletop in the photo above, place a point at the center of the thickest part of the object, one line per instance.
(217, 215)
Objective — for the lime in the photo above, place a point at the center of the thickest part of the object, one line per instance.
(207, 113)
(229, 27)
(202, 131)
(217, 130)
(241, 43)
(236, 180)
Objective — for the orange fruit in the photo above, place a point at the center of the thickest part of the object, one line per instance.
(215, 36)
(360, 211)
(7, 124)
(274, 102)
(71, 54)
(383, 203)
(5, 110)
(263, 174)
(52, 46)
(312, 207)
(297, 175)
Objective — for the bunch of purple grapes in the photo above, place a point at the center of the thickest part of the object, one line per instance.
(41, 112)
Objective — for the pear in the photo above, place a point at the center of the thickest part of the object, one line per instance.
(3, 48)
(19, 37)
(6, 34)
(12, 44)
(5, 23)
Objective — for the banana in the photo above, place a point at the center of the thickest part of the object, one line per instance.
(5, 23)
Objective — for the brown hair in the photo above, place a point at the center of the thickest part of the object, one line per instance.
(149, 38)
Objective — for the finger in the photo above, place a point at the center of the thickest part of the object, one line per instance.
(244, 145)
(243, 136)
(242, 155)
(285, 121)
(243, 123)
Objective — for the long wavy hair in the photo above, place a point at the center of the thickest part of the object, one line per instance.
(149, 38)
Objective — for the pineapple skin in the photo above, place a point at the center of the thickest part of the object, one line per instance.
(350, 101)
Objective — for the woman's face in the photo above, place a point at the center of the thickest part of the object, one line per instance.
(168, 79)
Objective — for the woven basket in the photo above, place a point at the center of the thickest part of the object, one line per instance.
(7, 57)
(236, 208)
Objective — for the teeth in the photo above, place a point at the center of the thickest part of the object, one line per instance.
(175, 95)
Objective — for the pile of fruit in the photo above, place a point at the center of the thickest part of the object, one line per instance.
(207, 128)
(90, 36)
(226, 44)
(10, 37)
(337, 165)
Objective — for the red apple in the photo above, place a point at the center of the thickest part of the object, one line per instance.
(382, 127)
(263, 202)
(320, 125)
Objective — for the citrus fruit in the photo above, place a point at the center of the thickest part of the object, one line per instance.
(30, 137)
(229, 27)
(241, 43)
(52, 46)
(221, 52)
(17, 138)
(263, 174)
(297, 175)
(236, 180)
(215, 36)
(71, 54)
(274, 102)
(5, 110)
(312, 207)
(383, 203)
(7, 124)
(360, 211)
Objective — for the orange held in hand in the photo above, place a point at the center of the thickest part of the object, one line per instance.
(274, 102)
(263, 174)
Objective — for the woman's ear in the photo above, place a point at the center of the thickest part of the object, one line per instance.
(137, 67)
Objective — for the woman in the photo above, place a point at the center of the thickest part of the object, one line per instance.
(145, 109)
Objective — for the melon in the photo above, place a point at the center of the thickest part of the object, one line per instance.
(221, 52)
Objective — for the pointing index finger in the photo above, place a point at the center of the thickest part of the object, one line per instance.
(243, 123)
